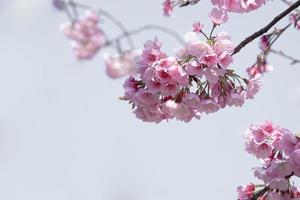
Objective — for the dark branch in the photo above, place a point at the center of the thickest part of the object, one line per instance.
(289, 4)
(266, 28)
(188, 2)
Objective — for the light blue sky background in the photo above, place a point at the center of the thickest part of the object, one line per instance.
(64, 135)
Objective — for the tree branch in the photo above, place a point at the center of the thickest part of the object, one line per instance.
(281, 53)
(266, 28)
(145, 28)
(289, 4)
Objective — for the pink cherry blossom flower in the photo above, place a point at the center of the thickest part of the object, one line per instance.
(264, 43)
(194, 69)
(131, 87)
(225, 59)
(253, 87)
(261, 139)
(239, 6)
(246, 192)
(236, 98)
(213, 74)
(168, 6)
(259, 69)
(149, 114)
(210, 60)
(199, 49)
(118, 66)
(186, 114)
(218, 16)
(197, 27)
(209, 106)
(288, 142)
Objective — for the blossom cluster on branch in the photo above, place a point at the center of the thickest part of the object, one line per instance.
(198, 80)
(87, 38)
(279, 152)
(224, 6)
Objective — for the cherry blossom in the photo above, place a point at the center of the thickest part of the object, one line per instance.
(265, 42)
(259, 68)
(218, 16)
(279, 151)
(118, 66)
(246, 192)
(168, 6)
(239, 6)
(87, 38)
(198, 27)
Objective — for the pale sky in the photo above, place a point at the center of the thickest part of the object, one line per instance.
(64, 134)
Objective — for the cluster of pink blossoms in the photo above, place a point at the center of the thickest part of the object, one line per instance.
(221, 6)
(279, 151)
(196, 81)
(86, 36)
(239, 6)
(121, 65)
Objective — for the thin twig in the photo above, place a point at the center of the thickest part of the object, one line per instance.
(74, 9)
(266, 28)
(126, 33)
(119, 24)
(68, 13)
(150, 27)
(274, 37)
(281, 53)
(212, 30)
(281, 31)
